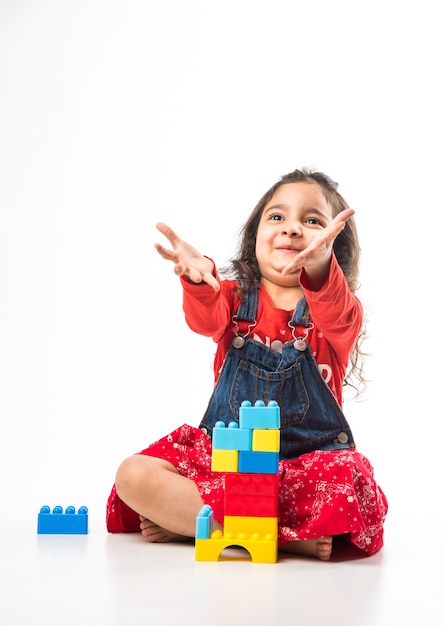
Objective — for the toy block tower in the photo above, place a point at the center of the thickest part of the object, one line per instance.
(248, 453)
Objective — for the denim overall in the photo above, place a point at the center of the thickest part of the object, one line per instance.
(311, 418)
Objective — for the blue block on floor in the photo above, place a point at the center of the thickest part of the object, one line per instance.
(59, 522)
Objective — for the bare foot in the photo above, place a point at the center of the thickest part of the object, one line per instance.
(156, 534)
(320, 547)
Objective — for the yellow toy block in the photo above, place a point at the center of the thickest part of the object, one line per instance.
(266, 440)
(246, 525)
(224, 460)
(261, 548)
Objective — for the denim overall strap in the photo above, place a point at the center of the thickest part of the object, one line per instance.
(311, 418)
(247, 310)
(301, 314)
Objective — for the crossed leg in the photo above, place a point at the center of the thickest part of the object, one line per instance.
(168, 504)
(166, 501)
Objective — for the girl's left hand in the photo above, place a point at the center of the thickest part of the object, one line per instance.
(315, 259)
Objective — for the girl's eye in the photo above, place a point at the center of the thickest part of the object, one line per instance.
(313, 220)
(275, 217)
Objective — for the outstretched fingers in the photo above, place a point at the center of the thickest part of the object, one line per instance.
(336, 226)
(169, 255)
(321, 246)
(187, 260)
(168, 232)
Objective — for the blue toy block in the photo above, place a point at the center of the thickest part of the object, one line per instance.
(58, 522)
(204, 522)
(258, 462)
(259, 415)
(231, 438)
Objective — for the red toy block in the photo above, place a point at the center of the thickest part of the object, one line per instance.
(252, 484)
(254, 495)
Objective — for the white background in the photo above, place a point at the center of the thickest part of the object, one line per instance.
(115, 115)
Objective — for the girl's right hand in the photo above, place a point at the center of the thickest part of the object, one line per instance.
(187, 260)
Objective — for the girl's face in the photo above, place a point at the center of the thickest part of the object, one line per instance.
(289, 222)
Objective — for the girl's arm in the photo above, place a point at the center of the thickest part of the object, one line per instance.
(335, 310)
(208, 312)
(315, 259)
(206, 299)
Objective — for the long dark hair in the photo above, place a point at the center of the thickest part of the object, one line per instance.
(243, 266)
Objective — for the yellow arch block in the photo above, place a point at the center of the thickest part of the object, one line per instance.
(261, 548)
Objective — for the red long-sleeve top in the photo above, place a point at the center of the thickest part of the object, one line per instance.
(336, 314)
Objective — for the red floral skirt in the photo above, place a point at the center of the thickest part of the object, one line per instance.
(320, 493)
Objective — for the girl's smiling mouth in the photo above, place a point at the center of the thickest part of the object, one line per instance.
(288, 249)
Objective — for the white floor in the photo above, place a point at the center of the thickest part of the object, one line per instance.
(120, 579)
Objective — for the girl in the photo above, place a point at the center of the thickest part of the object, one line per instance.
(288, 326)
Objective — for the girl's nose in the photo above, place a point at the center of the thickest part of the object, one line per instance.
(292, 229)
